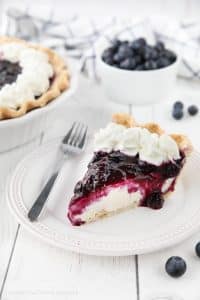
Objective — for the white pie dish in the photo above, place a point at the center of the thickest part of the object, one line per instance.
(135, 87)
(18, 131)
(122, 234)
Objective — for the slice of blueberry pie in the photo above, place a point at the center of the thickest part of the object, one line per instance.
(30, 77)
(133, 165)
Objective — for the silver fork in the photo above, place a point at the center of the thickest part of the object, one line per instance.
(72, 143)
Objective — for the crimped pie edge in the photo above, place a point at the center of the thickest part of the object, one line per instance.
(60, 83)
(181, 140)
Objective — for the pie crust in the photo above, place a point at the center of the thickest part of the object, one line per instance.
(182, 141)
(60, 82)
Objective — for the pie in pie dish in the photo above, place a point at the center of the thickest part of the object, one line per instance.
(30, 77)
(133, 165)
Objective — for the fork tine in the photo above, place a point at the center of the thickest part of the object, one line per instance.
(68, 135)
(82, 141)
(74, 135)
(79, 135)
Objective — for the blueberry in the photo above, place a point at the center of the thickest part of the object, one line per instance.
(178, 105)
(175, 266)
(116, 43)
(160, 46)
(170, 55)
(197, 249)
(147, 52)
(150, 65)
(170, 170)
(107, 54)
(177, 114)
(128, 64)
(146, 168)
(125, 51)
(118, 57)
(193, 110)
(140, 67)
(155, 200)
(137, 44)
(163, 62)
(154, 53)
(109, 61)
(125, 42)
(138, 59)
(79, 187)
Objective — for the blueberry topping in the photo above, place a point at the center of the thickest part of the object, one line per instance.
(175, 266)
(177, 114)
(178, 105)
(155, 200)
(138, 55)
(193, 110)
(170, 170)
(8, 72)
(197, 249)
(114, 167)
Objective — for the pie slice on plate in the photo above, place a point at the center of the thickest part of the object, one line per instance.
(133, 165)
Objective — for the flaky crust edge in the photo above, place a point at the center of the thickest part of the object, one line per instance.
(181, 140)
(60, 82)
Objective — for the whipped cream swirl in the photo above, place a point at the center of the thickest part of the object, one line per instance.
(34, 78)
(151, 147)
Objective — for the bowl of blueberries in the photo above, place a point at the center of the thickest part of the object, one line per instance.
(135, 72)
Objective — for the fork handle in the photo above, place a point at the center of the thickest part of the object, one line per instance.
(38, 205)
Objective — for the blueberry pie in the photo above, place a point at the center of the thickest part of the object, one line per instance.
(30, 77)
(133, 165)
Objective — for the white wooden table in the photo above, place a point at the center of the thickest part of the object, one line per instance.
(30, 269)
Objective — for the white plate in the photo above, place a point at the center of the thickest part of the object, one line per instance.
(134, 232)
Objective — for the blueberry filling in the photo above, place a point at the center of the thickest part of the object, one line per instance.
(115, 169)
(8, 72)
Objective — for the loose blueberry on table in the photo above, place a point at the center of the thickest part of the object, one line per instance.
(138, 55)
(175, 266)
(177, 111)
(197, 249)
(193, 110)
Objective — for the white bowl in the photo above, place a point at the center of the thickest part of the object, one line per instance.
(135, 87)
(19, 131)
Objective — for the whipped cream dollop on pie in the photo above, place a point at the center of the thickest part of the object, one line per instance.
(133, 165)
(30, 77)
(150, 147)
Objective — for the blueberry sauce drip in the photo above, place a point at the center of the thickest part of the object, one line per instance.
(115, 169)
(8, 72)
